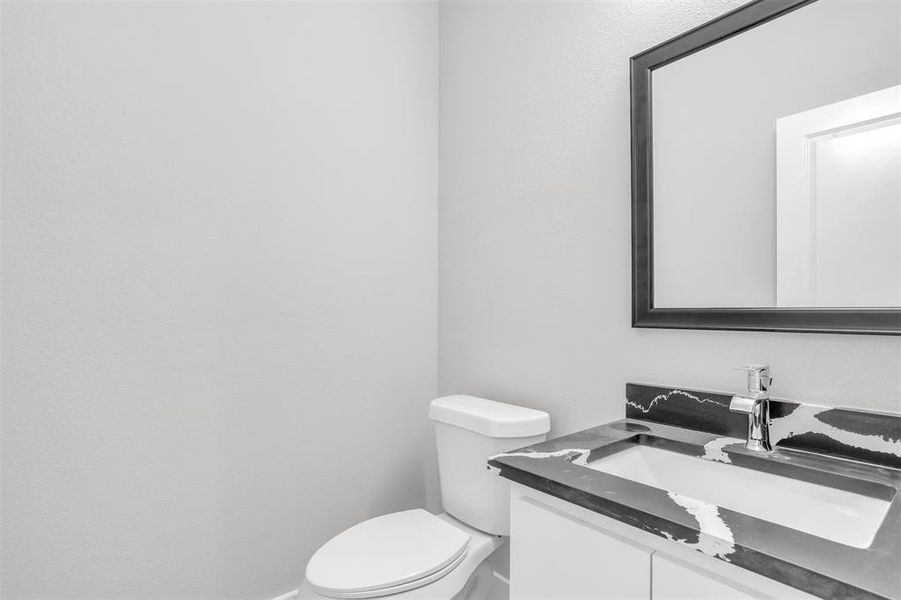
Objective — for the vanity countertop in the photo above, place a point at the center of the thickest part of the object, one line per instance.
(853, 450)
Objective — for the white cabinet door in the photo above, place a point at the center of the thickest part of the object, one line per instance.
(672, 580)
(555, 556)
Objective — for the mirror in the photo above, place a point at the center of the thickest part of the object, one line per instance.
(767, 171)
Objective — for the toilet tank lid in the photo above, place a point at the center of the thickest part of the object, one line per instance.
(489, 418)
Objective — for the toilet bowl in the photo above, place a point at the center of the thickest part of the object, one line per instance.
(416, 554)
(419, 560)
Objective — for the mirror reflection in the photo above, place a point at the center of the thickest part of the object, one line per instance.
(777, 164)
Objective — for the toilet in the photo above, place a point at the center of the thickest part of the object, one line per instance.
(416, 554)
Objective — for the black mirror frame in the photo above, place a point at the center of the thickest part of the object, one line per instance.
(882, 321)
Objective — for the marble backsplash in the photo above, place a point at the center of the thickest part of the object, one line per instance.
(854, 434)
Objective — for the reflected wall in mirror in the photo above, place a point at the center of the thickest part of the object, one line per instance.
(768, 161)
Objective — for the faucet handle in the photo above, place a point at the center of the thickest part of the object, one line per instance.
(759, 379)
(740, 404)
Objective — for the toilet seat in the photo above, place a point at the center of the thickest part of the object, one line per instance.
(386, 555)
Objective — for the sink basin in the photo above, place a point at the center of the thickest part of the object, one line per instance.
(838, 515)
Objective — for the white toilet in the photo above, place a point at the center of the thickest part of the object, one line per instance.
(415, 554)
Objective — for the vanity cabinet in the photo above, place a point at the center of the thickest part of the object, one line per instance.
(671, 580)
(562, 551)
(559, 556)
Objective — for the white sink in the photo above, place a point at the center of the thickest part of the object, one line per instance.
(837, 515)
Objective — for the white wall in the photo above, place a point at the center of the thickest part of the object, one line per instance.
(535, 219)
(219, 288)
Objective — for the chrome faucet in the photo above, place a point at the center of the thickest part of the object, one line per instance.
(756, 404)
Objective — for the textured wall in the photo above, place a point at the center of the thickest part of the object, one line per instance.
(535, 218)
(218, 245)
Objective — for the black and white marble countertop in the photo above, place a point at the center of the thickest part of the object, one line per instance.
(852, 450)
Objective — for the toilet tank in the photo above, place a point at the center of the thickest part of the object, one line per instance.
(467, 431)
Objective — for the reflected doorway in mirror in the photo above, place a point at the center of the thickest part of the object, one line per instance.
(838, 204)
